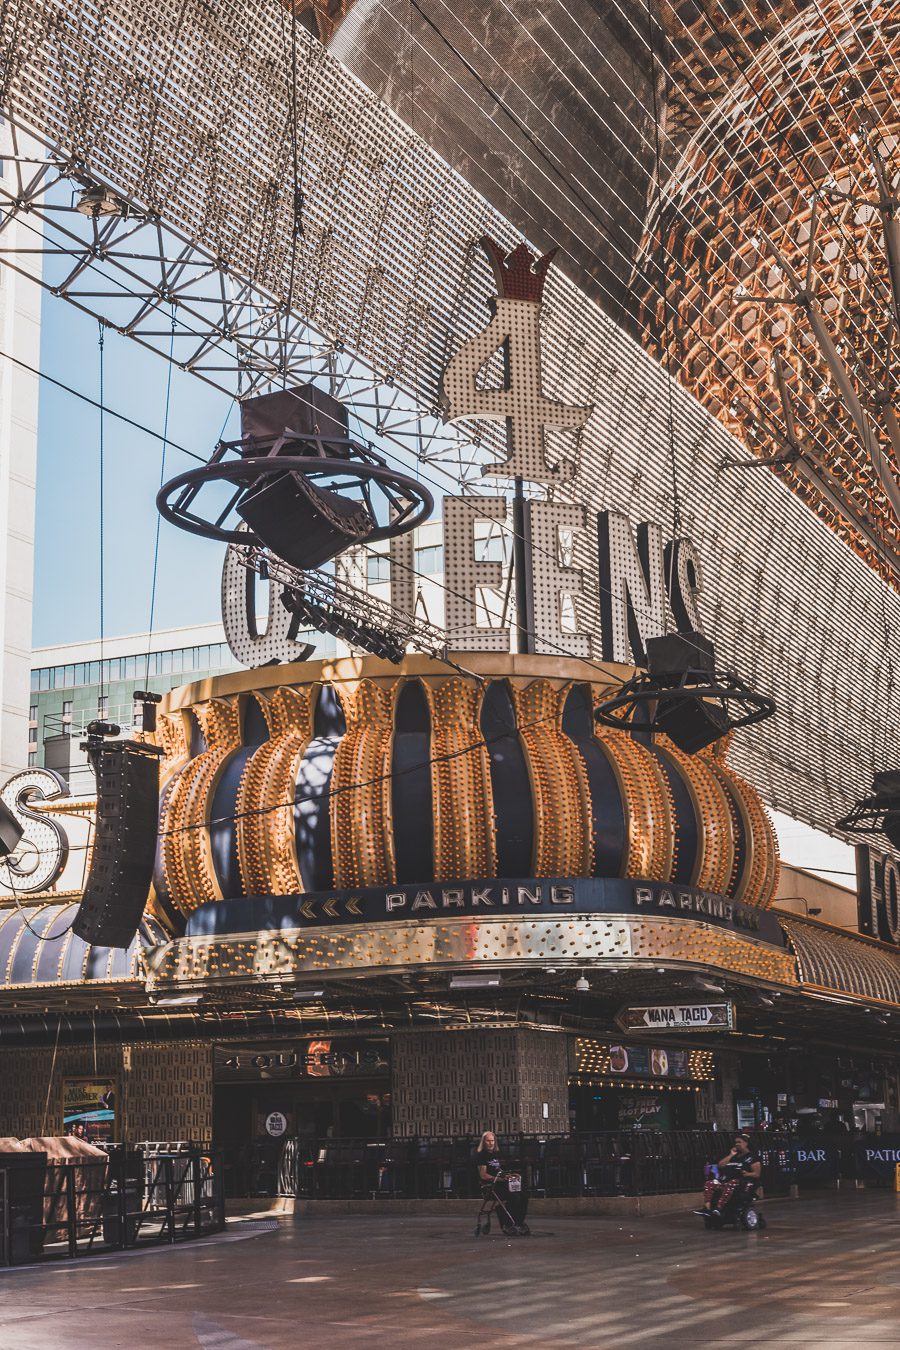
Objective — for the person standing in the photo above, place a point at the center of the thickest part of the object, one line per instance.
(507, 1186)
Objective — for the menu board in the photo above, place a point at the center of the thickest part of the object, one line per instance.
(648, 1061)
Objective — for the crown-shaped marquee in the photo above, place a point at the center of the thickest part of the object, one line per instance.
(520, 274)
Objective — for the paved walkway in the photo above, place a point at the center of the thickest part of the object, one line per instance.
(825, 1273)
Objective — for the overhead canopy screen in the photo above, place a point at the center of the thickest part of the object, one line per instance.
(369, 277)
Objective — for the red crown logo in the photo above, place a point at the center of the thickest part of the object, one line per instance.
(519, 275)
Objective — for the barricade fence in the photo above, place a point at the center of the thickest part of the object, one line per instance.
(624, 1162)
(70, 1207)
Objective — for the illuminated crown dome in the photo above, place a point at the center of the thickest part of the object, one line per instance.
(337, 776)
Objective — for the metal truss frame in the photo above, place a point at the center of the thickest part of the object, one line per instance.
(132, 272)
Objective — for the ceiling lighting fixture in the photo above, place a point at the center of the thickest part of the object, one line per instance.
(683, 696)
(879, 813)
(474, 981)
(581, 984)
(97, 201)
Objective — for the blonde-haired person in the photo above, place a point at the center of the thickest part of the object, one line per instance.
(507, 1186)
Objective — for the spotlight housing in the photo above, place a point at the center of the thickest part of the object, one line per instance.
(879, 813)
(683, 696)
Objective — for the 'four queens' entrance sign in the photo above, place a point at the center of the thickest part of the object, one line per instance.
(646, 586)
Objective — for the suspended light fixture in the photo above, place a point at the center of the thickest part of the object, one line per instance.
(878, 813)
(683, 696)
(96, 200)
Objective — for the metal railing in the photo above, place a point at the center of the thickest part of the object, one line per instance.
(623, 1162)
(74, 1206)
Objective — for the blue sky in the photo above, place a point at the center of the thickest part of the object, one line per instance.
(67, 555)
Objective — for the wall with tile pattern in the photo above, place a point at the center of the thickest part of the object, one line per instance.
(165, 1091)
(460, 1082)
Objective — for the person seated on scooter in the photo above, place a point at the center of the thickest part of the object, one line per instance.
(742, 1164)
(507, 1186)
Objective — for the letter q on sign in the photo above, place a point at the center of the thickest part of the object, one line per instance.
(248, 645)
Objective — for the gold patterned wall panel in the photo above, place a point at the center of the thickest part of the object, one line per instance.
(464, 846)
(186, 850)
(715, 825)
(361, 826)
(165, 1090)
(267, 855)
(462, 1083)
(649, 810)
(563, 842)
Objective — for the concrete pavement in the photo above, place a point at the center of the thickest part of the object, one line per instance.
(825, 1273)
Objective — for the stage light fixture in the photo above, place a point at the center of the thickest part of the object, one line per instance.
(148, 702)
(97, 201)
(879, 813)
(683, 696)
(304, 490)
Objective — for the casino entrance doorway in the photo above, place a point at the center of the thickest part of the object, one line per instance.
(316, 1089)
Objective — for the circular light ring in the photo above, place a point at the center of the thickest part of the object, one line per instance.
(249, 472)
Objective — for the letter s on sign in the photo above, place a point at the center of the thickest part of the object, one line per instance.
(43, 850)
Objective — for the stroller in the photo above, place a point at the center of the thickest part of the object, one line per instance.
(505, 1206)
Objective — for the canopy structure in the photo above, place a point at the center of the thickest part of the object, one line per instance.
(179, 116)
(39, 953)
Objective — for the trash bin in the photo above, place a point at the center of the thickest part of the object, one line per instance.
(26, 1175)
(111, 1213)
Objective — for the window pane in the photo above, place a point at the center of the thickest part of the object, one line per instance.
(378, 568)
(430, 560)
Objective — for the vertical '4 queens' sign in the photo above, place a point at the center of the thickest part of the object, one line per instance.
(514, 330)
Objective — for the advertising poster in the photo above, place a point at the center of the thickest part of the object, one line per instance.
(89, 1109)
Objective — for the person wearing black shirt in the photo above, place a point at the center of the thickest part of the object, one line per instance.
(507, 1186)
(740, 1165)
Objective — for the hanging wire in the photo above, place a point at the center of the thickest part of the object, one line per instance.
(101, 504)
(162, 479)
(663, 338)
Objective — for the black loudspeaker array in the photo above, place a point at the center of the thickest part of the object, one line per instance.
(124, 844)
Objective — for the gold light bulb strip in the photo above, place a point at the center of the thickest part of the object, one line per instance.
(266, 843)
(464, 832)
(464, 942)
(186, 851)
(173, 735)
(563, 834)
(361, 826)
(649, 809)
(761, 870)
(715, 823)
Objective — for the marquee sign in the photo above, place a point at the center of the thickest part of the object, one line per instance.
(517, 399)
(645, 585)
(878, 892)
(677, 1017)
(555, 896)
